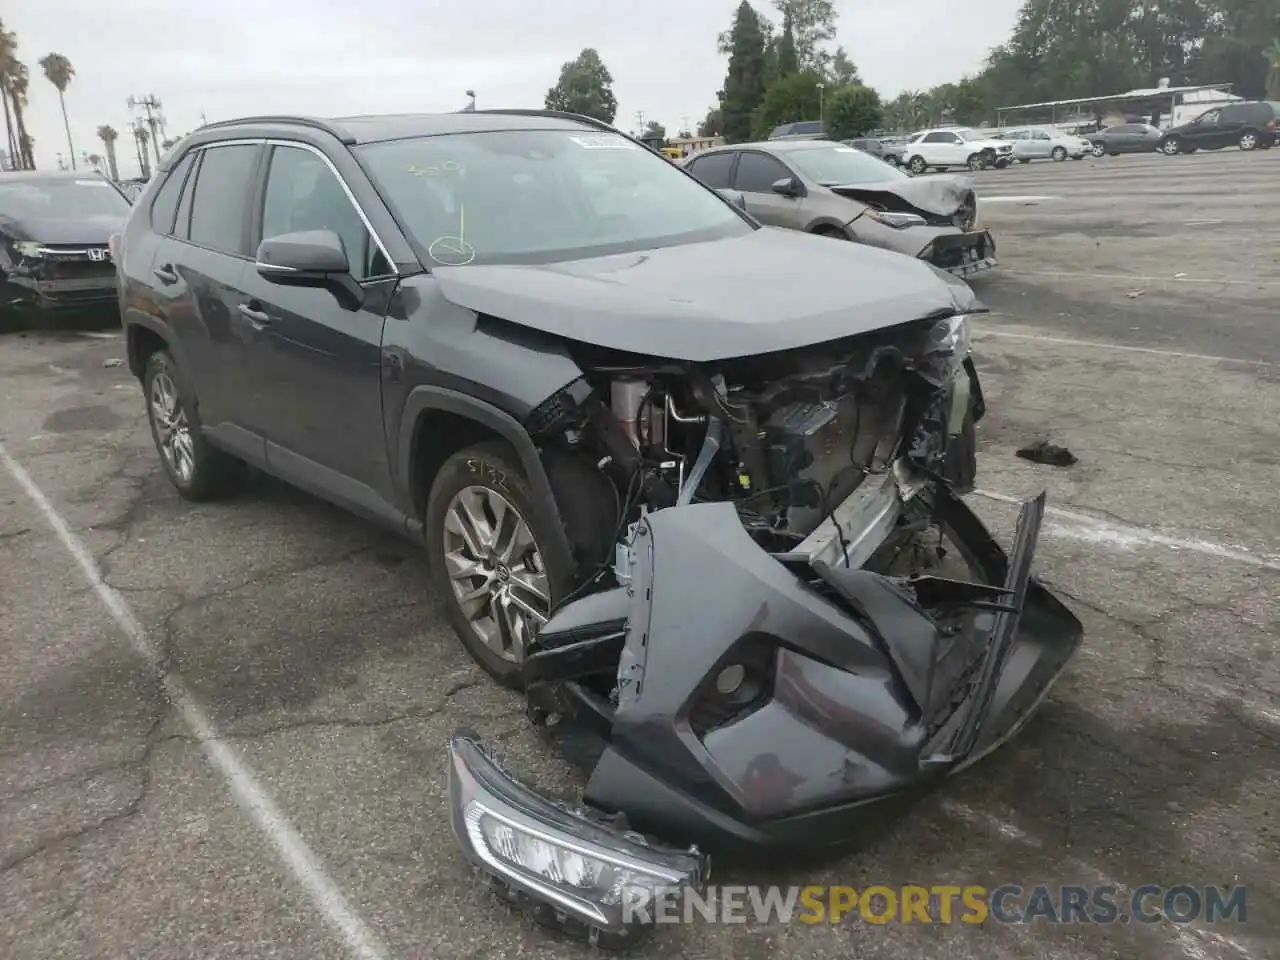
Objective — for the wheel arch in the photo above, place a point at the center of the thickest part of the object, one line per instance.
(144, 336)
(439, 422)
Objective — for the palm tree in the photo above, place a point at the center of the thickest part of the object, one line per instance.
(19, 79)
(8, 47)
(1272, 53)
(107, 134)
(59, 71)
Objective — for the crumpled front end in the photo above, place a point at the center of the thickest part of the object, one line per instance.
(761, 678)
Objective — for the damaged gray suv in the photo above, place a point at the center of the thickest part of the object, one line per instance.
(690, 484)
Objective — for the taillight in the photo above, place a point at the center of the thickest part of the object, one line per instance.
(1271, 124)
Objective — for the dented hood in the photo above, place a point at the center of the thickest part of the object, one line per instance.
(770, 290)
(941, 193)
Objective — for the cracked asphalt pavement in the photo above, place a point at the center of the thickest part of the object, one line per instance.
(1123, 328)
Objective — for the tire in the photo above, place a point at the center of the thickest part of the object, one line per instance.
(831, 232)
(976, 161)
(917, 165)
(1248, 140)
(1099, 149)
(1171, 147)
(1004, 162)
(483, 477)
(1024, 159)
(198, 470)
(1058, 154)
(893, 161)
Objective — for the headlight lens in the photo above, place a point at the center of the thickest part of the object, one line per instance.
(581, 874)
(898, 221)
(29, 248)
(950, 337)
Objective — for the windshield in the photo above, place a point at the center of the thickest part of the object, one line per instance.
(61, 199)
(541, 196)
(831, 166)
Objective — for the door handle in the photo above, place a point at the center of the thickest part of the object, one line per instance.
(166, 274)
(257, 318)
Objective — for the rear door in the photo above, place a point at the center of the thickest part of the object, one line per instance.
(716, 171)
(1041, 145)
(197, 272)
(319, 358)
(754, 178)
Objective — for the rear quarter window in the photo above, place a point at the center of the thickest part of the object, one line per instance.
(164, 208)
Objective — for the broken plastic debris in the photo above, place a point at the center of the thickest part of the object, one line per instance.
(113, 362)
(1134, 294)
(1048, 453)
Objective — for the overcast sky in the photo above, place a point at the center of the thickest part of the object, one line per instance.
(229, 58)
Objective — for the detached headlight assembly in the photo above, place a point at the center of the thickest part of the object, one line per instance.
(30, 248)
(899, 221)
(572, 873)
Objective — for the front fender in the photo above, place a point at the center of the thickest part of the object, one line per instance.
(424, 399)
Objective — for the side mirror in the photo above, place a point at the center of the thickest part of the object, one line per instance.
(312, 258)
(788, 187)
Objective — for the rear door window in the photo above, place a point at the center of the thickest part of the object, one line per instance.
(220, 203)
(713, 170)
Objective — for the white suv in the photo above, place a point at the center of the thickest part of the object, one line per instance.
(1046, 143)
(954, 147)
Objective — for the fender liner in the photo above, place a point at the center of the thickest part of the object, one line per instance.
(135, 318)
(424, 398)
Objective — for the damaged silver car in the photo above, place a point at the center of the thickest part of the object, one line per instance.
(836, 190)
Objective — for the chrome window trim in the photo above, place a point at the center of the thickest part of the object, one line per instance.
(382, 247)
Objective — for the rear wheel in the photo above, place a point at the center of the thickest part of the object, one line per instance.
(1098, 149)
(976, 161)
(832, 232)
(1248, 140)
(917, 165)
(1059, 154)
(1024, 159)
(197, 470)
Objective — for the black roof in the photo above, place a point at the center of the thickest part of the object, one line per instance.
(374, 128)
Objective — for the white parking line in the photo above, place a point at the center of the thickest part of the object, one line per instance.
(291, 849)
(1030, 198)
(1154, 351)
(1081, 526)
(1137, 278)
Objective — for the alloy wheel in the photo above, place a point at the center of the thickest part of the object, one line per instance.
(172, 428)
(1098, 150)
(495, 570)
(1248, 141)
(1170, 147)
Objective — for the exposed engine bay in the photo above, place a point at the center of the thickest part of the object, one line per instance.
(785, 437)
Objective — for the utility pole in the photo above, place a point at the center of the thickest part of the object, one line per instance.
(204, 121)
(140, 128)
(155, 121)
(639, 123)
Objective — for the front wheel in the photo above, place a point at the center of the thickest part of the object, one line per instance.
(197, 470)
(1171, 147)
(1099, 149)
(1059, 154)
(486, 547)
(917, 165)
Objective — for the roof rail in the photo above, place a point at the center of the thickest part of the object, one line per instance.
(312, 122)
(557, 114)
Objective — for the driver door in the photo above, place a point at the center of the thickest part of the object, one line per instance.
(1206, 132)
(319, 358)
(754, 178)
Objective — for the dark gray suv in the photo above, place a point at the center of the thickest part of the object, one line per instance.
(668, 466)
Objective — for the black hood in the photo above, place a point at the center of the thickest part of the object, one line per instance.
(770, 290)
(941, 194)
(95, 230)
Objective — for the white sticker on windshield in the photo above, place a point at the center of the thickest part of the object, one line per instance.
(603, 143)
(91, 183)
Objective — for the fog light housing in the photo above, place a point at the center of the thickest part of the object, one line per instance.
(579, 875)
